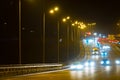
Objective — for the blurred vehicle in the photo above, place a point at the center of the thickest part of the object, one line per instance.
(95, 51)
(76, 66)
(89, 63)
(117, 61)
(106, 47)
(104, 54)
(105, 62)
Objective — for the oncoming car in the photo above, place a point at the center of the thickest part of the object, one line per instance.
(95, 51)
(76, 66)
(89, 63)
(105, 62)
(117, 62)
(104, 54)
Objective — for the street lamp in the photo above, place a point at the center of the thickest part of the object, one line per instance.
(65, 20)
(52, 11)
(19, 31)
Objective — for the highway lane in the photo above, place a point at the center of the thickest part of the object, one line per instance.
(98, 72)
(101, 73)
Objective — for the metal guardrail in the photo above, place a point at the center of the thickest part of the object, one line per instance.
(12, 70)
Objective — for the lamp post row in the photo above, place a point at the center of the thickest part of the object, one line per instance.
(51, 11)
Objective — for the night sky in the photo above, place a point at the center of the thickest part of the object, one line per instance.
(105, 13)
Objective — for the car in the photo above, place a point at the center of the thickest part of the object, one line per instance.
(95, 53)
(104, 54)
(105, 62)
(76, 66)
(117, 62)
(89, 63)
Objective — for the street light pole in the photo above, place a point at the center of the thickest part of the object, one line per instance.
(68, 42)
(58, 42)
(19, 31)
(43, 37)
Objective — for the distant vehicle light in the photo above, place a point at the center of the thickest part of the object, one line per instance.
(90, 40)
(106, 47)
(79, 66)
(104, 53)
(86, 64)
(92, 64)
(76, 66)
(95, 52)
(89, 64)
(117, 62)
(72, 67)
(102, 62)
(107, 62)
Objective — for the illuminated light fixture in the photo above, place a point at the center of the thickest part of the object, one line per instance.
(107, 62)
(56, 8)
(51, 11)
(68, 17)
(73, 24)
(64, 20)
(76, 22)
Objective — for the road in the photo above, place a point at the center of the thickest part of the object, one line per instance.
(99, 72)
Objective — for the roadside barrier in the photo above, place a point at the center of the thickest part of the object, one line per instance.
(12, 70)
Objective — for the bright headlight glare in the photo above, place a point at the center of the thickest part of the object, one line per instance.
(102, 62)
(72, 66)
(86, 64)
(107, 62)
(117, 62)
(79, 67)
(92, 63)
(105, 53)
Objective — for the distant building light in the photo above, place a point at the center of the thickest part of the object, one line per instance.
(32, 31)
(60, 40)
(5, 23)
(94, 34)
(23, 28)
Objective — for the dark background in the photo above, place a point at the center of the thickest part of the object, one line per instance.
(105, 13)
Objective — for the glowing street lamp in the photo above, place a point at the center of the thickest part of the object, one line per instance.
(56, 9)
(73, 24)
(51, 11)
(68, 17)
(64, 20)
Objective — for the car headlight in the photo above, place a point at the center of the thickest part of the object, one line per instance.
(107, 62)
(79, 66)
(101, 53)
(105, 53)
(72, 67)
(102, 62)
(92, 64)
(117, 62)
(86, 64)
(97, 52)
(93, 52)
